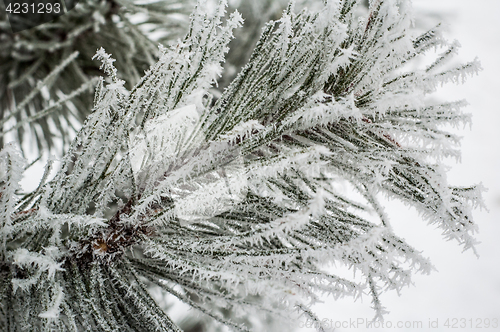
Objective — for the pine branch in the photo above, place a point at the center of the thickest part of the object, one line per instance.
(35, 58)
(235, 204)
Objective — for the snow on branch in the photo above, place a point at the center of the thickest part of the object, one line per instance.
(238, 201)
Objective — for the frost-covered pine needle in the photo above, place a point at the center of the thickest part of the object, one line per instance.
(239, 202)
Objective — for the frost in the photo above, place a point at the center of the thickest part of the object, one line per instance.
(39, 262)
(161, 138)
(236, 202)
(54, 310)
(11, 168)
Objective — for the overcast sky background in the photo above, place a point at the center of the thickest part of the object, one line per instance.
(464, 286)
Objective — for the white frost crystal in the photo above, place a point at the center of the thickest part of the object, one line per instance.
(162, 138)
(234, 204)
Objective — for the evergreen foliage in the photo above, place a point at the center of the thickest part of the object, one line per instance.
(238, 202)
(47, 70)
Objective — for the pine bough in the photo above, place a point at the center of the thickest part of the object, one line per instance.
(236, 202)
(59, 53)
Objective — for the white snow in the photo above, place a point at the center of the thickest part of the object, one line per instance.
(463, 287)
